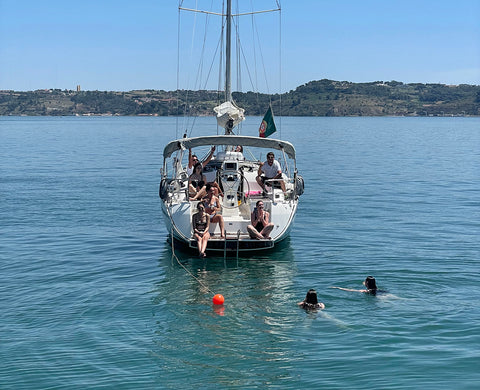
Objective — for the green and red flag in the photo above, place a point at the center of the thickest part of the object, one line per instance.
(268, 125)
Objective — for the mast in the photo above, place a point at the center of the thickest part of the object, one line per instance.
(228, 53)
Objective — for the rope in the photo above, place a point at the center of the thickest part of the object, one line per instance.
(185, 268)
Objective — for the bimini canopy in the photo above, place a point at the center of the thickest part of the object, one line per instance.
(233, 140)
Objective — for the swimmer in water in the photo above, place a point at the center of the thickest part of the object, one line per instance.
(370, 287)
(311, 301)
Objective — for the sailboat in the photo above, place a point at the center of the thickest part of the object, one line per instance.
(234, 171)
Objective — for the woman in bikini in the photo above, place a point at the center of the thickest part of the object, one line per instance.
(201, 224)
(196, 183)
(212, 208)
(261, 226)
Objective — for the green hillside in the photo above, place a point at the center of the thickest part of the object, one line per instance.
(316, 98)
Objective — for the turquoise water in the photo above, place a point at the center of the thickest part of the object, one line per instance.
(90, 296)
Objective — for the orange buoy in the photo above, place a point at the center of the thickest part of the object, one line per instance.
(218, 299)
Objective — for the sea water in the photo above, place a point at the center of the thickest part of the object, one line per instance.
(91, 295)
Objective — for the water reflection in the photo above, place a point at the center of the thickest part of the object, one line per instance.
(195, 280)
(255, 325)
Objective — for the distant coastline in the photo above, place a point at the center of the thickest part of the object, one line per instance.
(316, 98)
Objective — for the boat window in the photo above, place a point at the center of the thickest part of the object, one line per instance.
(231, 166)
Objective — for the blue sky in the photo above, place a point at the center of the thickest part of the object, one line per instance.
(124, 45)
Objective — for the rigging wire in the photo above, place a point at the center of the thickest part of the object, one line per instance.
(255, 31)
(200, 66)
(241, 57)
(280, 70)
(177, 259)
(178, 72)
(247, 68)
(256, 40)
(220, 66)
(185, 105)
(237, 50)
(254, 49)
(202, 53)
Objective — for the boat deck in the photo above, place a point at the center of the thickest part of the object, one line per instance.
(234, 242)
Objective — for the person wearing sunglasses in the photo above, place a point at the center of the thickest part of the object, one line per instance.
(269, 170)
(193, 159)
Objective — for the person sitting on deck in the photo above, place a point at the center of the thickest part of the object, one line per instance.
(261, 226)
(217, 191)
(212, 208)
(271, 170)
(193, 160)
(200, 225)
(196, 183)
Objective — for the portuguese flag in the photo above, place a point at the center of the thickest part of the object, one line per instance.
(268, 125)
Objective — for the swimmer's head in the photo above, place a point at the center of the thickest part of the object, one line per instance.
(311, 297)
(370, 283)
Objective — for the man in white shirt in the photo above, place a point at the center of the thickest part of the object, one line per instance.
(271, 170)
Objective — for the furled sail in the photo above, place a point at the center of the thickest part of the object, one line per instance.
(229, 115)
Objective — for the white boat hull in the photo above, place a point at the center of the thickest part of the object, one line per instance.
(237, 177)
(178, 219)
